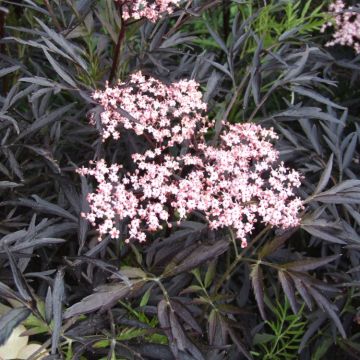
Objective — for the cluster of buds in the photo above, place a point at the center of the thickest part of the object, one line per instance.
(346, 23)
(235, 184)
(149, 9)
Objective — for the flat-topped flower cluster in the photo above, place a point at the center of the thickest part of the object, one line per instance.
(347, 26)
(236, 183)
(168, 113)
(149, 9)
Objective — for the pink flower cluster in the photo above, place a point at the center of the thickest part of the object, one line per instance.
(235, 184)
(166, 112)
(150, 9)
(347, 26)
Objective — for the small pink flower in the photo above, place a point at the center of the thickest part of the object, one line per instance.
(346, 24)
(150, 9)
(179, 110)
(236, 184)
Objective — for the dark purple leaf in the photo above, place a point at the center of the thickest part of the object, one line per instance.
(287, 285)
(185, 315)
(57, 300)
(258, 286)
(11, 320)
(309, 264)
(19, 279)
(201, 254)
(108, 296)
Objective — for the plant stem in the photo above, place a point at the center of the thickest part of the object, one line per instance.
(262, 102)
(2, 48)
(81, 18)
(226, 19)
(262, 262)
(52, 14)
(117, 48)
(238, 258)
(164, 291)
(186, 16)
(233, 100)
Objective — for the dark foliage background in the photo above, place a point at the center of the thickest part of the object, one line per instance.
(194, 294)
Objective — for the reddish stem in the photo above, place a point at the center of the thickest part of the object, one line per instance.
(2, 48)
(117, 48)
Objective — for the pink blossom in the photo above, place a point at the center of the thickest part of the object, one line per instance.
(236, 184)
(150, 9)
(169, 114)
(346, 24)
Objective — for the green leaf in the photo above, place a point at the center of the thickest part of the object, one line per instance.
(263, 338)
(210, 274)
(146, 296)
